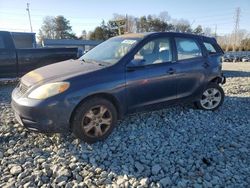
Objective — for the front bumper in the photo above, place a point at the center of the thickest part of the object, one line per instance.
(51, 116)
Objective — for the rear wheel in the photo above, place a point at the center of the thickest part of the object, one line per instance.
(94, 120)
(212, 97)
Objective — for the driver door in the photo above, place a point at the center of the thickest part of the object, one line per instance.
(150, 76)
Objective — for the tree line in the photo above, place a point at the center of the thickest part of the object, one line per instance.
(59, 28)
(149, 23)
(56, 28)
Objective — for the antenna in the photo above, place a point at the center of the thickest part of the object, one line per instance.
(28, 10)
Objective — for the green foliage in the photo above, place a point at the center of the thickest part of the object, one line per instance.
(56, 28)
(151, 23)
(63, 29)
(98, 34)
(198, 30)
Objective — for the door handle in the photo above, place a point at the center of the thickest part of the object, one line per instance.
(171, 71)
(205, 65)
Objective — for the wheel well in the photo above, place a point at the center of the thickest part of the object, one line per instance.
(216, 80)
(106, 96)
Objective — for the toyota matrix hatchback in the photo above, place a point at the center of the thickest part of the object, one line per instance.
(123, 75)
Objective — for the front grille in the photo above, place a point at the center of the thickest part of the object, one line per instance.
(22, 88)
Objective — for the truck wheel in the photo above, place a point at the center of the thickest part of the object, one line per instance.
(94, 120)
(212, 97)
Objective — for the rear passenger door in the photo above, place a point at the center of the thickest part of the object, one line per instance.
(192, 67)
(214, 56)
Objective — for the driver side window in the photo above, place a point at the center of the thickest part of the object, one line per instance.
(155, 51)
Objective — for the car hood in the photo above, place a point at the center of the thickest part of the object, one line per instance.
(60, 70)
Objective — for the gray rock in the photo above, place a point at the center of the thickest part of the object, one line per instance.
(196, 185)
(40, 160)
(182, 183)
(120, 180)
(22, 175)
(1, 155)
(207, 184)
(62, 183)
(139, 166)
(79, 178)
(69, 185)
(144, 182)
(15, 170)
(156, 169)
(10, 151)
(64, 172)
(166, 181)
(61, 179)
(215, 180)
(26, 185)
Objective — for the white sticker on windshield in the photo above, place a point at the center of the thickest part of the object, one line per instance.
(128, 41)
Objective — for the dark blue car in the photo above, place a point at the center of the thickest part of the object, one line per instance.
(124, 74)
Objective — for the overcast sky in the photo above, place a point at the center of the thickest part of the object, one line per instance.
(87, 14)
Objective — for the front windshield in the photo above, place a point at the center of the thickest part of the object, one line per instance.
(110, 51)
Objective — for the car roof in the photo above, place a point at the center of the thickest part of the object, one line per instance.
(152, 34)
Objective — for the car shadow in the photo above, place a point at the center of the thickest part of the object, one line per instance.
(229, 73)
(158, 144)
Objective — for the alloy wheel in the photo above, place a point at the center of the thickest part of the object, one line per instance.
(211, 98)
(97, 121)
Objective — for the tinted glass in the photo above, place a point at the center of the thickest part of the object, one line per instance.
(110, 51)
(155, 51)
(210, 48)
(2, 42)
(187, 48)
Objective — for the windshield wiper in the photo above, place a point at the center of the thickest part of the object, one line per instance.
(96, 62)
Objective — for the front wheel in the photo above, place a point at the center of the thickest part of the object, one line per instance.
(212, 97)
(94, 120)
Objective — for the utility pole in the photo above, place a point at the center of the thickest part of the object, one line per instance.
(28, 10)
(126, 24)
(236, 26)
(215, 31)
(119, 24)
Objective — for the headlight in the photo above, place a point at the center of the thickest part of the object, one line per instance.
(48, 90)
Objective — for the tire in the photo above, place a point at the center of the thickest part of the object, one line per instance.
(212, 98)
(91, 122)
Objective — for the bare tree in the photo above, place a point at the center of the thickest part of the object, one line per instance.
(55, 28)
(182, 25)
(164, 16)
(207, 31)
(48, 29)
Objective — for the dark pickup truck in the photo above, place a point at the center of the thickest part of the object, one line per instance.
(16, 62)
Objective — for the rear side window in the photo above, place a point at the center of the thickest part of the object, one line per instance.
(187, 48)
(210, 48)
(1, 43)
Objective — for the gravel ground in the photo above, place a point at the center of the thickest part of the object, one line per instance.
(178, 146)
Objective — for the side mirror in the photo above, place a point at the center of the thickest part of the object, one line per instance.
(135, 63)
